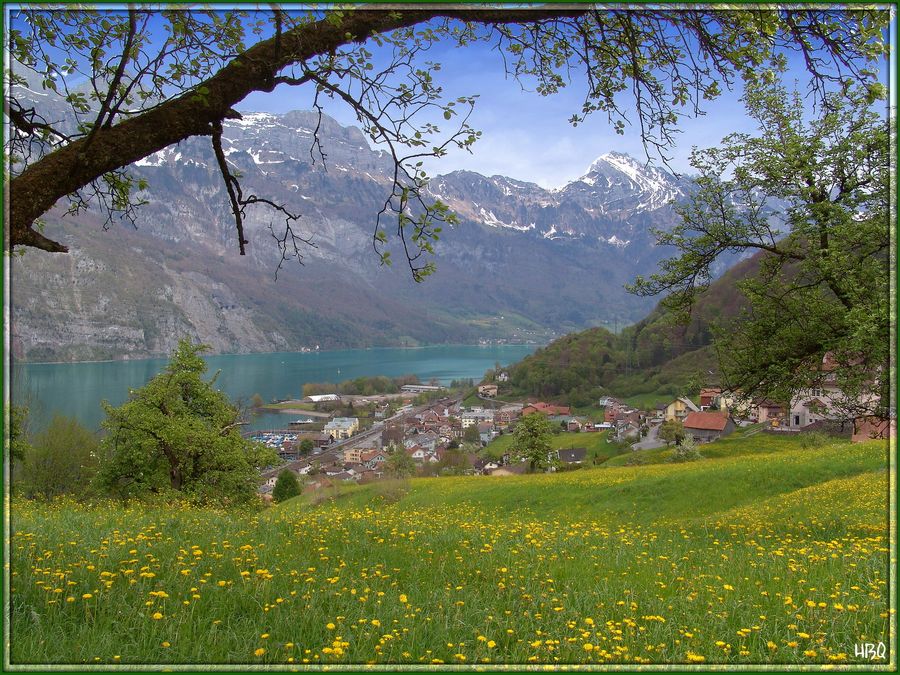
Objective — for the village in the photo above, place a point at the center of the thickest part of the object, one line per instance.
(472, 435)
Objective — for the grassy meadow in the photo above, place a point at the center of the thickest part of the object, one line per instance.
(778, 556)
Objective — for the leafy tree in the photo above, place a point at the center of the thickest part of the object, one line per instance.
(398, 464)
(256, 401)
(454, 462)
(286, 486)
(62, 459)
(531, 441)
(179, 434)
(471, 435)
(811, 197)
(157, 78)
(18, 432)
(671, 431)
(306, 446)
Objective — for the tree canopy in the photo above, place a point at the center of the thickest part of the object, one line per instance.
(179, 434)
(811, 197)
(61, 459)
(151, 78)
(532, 441)
(286, 486)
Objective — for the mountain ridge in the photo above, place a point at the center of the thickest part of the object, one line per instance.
(524, 264)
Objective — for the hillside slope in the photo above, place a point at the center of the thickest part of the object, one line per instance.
(656, 355)
(730, 561)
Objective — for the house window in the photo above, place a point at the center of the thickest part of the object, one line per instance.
(796, 420)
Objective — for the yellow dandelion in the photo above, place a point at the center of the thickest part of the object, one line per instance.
(157, 615)
(588, 647)
(259, 652)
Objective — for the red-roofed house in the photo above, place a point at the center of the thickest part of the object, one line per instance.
(708, 396)
(546, 409)
(708, 426)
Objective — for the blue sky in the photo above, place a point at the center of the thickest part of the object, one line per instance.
(527, 136)
(524, 135)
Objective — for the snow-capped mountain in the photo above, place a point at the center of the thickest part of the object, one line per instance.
(617, 183)
(547, 261)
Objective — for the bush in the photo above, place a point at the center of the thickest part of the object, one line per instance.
(814, 439)
(62, 459)
(687, 451)
(286, 486)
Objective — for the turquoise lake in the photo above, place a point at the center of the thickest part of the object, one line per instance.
(76, 389)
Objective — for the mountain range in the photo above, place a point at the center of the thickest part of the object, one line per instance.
(524, 263)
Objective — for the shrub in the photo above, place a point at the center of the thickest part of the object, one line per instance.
(814, 439)
(686, 451)
(286, 486)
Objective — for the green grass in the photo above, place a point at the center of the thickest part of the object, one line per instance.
(766, 553)
(290, 406)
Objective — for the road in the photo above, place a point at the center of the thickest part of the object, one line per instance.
(651, 441)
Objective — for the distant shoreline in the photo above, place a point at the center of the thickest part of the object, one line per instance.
(165, 357)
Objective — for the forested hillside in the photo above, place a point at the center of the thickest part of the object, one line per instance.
(656, 355)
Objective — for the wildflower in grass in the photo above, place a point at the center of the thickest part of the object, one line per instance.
(811, 653)
(264, 636)
(695, 658)
(259, 651)
(403, 598)
(491, 644)
(329, 626)
(803, 635)
(86, 596)
(157, 616)
(588, 647)
(166, 644)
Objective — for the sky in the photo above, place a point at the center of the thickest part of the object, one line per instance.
(527, 136)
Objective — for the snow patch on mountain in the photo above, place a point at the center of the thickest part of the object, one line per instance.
(255, 119)
(615, 241)
(488, 218)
